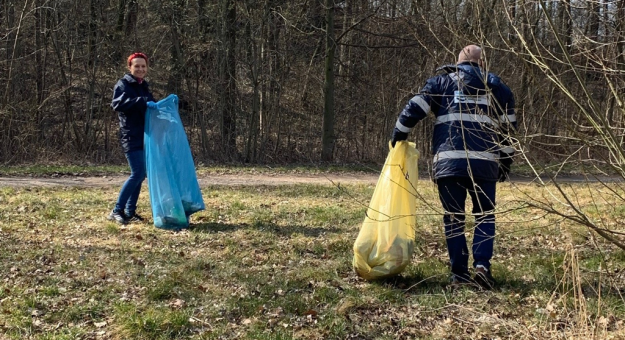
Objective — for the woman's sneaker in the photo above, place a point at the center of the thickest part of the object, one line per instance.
(135, 218)
(118, 216)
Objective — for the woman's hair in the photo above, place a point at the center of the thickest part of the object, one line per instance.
(137, 55)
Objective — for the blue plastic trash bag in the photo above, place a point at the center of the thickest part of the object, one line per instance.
(174, 189)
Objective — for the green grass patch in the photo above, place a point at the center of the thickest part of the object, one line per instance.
(274, 262)
(152, 322)
(39, 170)
(57, 170)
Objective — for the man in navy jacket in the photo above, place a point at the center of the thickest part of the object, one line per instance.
(472, 150)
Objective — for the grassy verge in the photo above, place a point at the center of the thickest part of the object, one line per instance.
(38, 170)
(275, 263)
(522, 170)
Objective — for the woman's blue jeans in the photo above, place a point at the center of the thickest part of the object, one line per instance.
(128, 196)
(452, 192)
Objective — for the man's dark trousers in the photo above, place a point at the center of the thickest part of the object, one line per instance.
(452, 192)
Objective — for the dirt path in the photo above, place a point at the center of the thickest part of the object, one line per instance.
(205, 180)
(251, 179)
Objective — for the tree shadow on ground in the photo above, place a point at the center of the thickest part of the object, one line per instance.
(288, 230)
(419, 285)
(416, 284)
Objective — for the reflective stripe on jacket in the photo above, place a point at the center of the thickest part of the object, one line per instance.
(474, 112)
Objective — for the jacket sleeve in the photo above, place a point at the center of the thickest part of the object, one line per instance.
(504, 106)
(126, 102)
(417, 108)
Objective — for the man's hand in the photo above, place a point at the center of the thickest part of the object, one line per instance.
(152, 105)
(504, 168)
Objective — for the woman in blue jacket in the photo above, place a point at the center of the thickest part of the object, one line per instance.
(131, 98)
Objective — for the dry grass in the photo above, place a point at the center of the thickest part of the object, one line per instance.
(275, 263)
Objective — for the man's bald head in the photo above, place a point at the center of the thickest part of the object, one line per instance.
(472, 53)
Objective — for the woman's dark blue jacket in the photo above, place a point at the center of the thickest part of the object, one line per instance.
(130, 101)
(474, 111)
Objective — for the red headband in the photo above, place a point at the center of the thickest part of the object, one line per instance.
(137, 55)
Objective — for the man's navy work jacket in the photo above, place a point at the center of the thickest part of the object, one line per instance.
(130, 101)
(474, 112)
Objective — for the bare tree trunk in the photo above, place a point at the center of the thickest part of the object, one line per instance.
(174, 83)
(66, 83)
(131, 20)
(620, 29)
(263, 106)
(39, 71)
(121, 13)
(327, 138)
(13, 48)
(513, 10)
(227, 74)
(253, 58)
(203, 21)
(38, 52)
(266, 109)
(93, 33)
(91, 70)
(564, 16)
(594, 9)
(345, 49)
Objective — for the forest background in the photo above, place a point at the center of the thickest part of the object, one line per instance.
(279, 82)
(308, 82)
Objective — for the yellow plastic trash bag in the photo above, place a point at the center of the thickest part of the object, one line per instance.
(385, 243)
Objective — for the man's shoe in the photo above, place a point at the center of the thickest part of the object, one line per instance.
(135, 218)
(484, 278)
(461, 281)
(117, 216)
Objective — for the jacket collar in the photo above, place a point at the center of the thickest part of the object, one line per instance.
(473, 69)
(465, 65)
(132, 80)
(470, 63)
